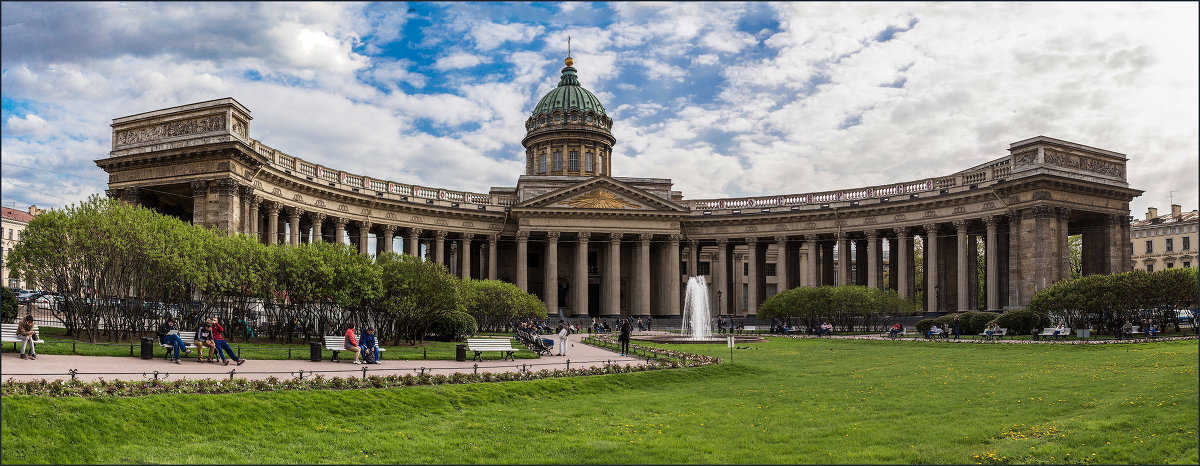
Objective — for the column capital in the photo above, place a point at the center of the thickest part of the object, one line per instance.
(553, 236)
(1113, 219)
(522, 236)
(1042, 211)
(722, 242)
(991, 221)
(810, 237)
(272, 207)
(676, 238)
(584, 236)
(931, 229)
(130, 194)
(752, 241)
(226, 187)
(493, 238)
(841, 235)
(317, 217)
(615, 237)
(365, 225)
(415, 232)
(645, 237)
(439, 234)
(1014, 215)
(468, 236)
(872, 235)
(293, 212)
(781, 239)
(199, 188)
(246, 191)
(339, 222)
(961, 224)
(385, 228)
(901, 231)
(1063, 213)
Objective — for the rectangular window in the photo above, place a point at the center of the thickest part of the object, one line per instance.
(1170, 265)
(573, 161)
(683, 267)
(557, 162)
(1187, 243)
(1149, 267)
(702, 268)
(1170, 244)
(542, 164)
(10, 233)
(1149, 246)
(589, 164)
(600, 164)
(771, 270)
(1187, 265)
(745, 268)
(772, 290)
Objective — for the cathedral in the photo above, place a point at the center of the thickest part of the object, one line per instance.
(593, 244)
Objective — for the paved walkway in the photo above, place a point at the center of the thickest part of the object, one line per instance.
(92, 368)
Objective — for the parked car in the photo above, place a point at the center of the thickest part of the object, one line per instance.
(1185, 316)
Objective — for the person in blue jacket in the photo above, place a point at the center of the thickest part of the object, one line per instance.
(369, 348)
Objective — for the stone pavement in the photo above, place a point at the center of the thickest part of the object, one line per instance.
(92, 368)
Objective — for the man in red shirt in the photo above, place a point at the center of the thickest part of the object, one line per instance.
(222, 347)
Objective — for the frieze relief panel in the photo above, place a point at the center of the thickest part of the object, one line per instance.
(960, 210)
(1079, 162)
(1025, 158)
(298, 198)
(930, 213)
(343, 208)
(319, 203)
(899, 218)
(171, 129)
(989, 205)
(810, 225)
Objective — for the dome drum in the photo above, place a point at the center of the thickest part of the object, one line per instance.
(568, 132)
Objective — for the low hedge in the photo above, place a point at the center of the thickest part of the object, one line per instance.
(1022, 321)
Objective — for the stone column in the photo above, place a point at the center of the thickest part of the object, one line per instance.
(364, 230)
(523, 260)
(293, 214)
(317, 220)
(781, 263)
(902, 268)
(931, 268)
(199, 202)
(721, 277)
(814, 279)
(339, 230)
(843, 260)
(990, 257)
(580, 280)
(673, 290)
(465, 252)
(385, 246)
(244, 193)
(493, 240)
(228, 212)
(612, 276)
(550, 273)
(752, 275)
(643, 275)
(1015, 221)
(1063, 215)
(272, 221)
(964, 286)
(873, 259)
(891, 275)
(439, 246)
(414, 242)
(1114, 246)
(693, 258)
(254, 220)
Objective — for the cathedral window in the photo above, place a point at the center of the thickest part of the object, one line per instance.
(600, 164)
(542, 164)
(588, 163)
(573, 161)
(557, 162)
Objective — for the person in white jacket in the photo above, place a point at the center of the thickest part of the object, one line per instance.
(562, 338)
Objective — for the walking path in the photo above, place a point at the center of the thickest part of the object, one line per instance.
(92, 368)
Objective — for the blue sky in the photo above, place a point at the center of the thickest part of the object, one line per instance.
(726, 99)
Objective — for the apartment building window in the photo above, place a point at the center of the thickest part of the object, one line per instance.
(1187, 243)
(1170, 265)
(1170, 244)
(1149, 267)
(1187, 265)
(1149, 246)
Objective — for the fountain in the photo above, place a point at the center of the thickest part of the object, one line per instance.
(697, 319)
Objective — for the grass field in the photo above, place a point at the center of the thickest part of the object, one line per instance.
(257, 348)
(781, 401)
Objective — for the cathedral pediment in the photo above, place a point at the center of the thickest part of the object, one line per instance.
(600, 193)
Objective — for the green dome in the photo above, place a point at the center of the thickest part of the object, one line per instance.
(569, 95)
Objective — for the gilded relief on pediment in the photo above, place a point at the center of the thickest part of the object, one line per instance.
(600, 199)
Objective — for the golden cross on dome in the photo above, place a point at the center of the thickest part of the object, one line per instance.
(569, 61)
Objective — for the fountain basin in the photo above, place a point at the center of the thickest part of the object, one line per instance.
(686, 339)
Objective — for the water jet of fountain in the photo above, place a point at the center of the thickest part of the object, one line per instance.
(697, 321)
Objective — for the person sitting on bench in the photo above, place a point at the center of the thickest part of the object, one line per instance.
(895, 330)
(370, 349)
(167, 338)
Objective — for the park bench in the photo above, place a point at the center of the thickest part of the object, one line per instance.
(1049, 332)
(899, 334)
(10, 335)
(337, 343)
(479, 345)
(535, 343)
(1000, 333)
(188, 339)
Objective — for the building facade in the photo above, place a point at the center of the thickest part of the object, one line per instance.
(12, 226)
(1164, 242)
(590, 243)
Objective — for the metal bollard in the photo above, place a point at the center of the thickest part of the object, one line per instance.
(568, 364)
(73, 372)
(231, 371)
(425, 353)
(289, 352)
(476, 368)
(72, 347)
(239, 351)
(422, 371)
(364, 369)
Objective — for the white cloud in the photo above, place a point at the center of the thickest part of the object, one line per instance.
(458, 60)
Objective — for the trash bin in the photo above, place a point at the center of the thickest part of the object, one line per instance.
(147, 348)
(1083, 332)
(314, 351)
(460, 352)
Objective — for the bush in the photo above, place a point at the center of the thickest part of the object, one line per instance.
(1022, 321)
(975, 322)
(9, 304)
(453, 326)
(924, 324)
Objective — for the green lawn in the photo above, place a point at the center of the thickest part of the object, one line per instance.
(257, 348)
(781, 401)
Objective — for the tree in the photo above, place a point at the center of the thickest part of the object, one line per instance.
(417, 293)
(493, 303)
